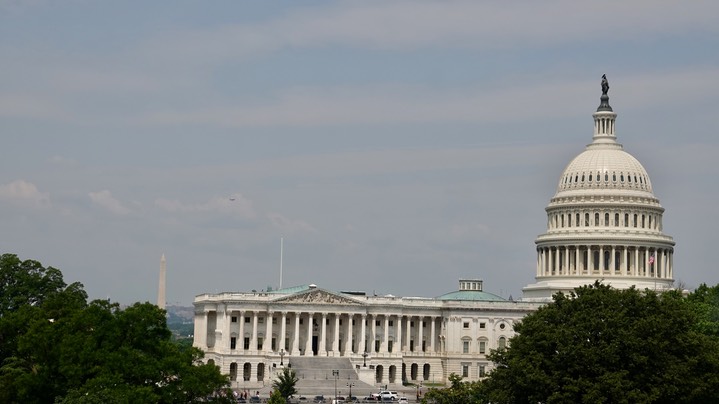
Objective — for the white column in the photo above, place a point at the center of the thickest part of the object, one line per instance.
(409, 332)
(201, 330)
(601, 258)
(336, 336)
(420, 332)
(347, 349)
(308, 343)
(253, 341)
(296, 336)
(283, 331)
(432, 336)
(363, 336)
(373, 328)
(241, 336)
(268, 332)
(323, 336)
(398, 337)
(384, 346)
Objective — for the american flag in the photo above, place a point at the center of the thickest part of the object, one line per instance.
(651, 259)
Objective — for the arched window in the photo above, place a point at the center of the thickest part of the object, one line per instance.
(502, 343)
(586, 220)
(596, 219)
(635, 220)
(606, 219)
(626, 220)
(616, 219)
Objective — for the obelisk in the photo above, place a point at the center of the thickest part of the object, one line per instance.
(161, 288)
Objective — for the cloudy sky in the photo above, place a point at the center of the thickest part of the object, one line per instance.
(395, 146)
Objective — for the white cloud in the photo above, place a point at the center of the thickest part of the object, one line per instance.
(23, 192)
(383, 104)
(289, 226)
(417, 24)
(233, 204)
(105, 200)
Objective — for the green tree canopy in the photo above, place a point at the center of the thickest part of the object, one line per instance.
(285, 383)
(602, 345)
(56, 347)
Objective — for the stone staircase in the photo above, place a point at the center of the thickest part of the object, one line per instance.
(315, 377)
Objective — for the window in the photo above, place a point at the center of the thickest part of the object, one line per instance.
(482, 371)
(501, 326)
(616, 219)
(389, 346)
(340, 321)
(626, 220)
(465, 324)
(274, 320)
(302, 321)
(411, 323)
(502, 343)
(247, 319)
(606, 219)
(391, 323)
(596, 219)
(482, 325)
(233, 342)
(234, 319)
(482, 347)
(465, 346)
(376, 345)
(246, 343)
(376, 322)
(586, 220)
(259, 343)
(261, 320)
(465, 370)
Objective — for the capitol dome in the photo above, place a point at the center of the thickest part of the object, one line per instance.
(604, 221)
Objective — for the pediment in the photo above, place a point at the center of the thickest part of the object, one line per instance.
(318, 296)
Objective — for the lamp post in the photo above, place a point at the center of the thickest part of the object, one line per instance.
(282, 355)
(336, 374)
(350, 384)
(364, 359)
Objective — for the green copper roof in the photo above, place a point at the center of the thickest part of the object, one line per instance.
(474, 295)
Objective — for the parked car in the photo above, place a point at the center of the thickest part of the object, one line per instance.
(255, 399)
(319, 399)
(402, 400)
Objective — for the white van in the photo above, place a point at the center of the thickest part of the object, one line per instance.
(391, 395)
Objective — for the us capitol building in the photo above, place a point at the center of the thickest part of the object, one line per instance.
(603, 223)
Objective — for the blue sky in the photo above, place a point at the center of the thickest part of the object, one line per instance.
(395, 146)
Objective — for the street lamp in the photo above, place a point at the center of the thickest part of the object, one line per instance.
(282, 355)
(336, 374)
(364, 359)
(350, 384)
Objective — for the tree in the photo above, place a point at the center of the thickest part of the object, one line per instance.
(601, 345)
(276, 398)
(458, 392)
(285, 383)
(56, 347)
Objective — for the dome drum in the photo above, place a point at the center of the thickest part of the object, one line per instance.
(603, 223)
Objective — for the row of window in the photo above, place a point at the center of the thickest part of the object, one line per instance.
(630, 179)
(466, 344)
(261, 320)
(482, 325)
(644, 221)
(260, 340)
